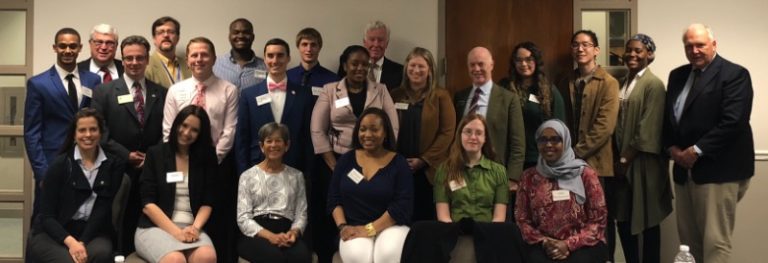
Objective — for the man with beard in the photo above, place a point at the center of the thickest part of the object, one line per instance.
(241, 66)
(165, 68)
(103, 48)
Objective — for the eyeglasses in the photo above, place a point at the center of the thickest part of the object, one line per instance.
(135, 58)
(72, 46)
(554, 140)
(528, 59)
(109, 44)
(470, 132)
(585, 45)
(165, 31)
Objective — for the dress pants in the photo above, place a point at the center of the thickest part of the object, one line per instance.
(257, 249)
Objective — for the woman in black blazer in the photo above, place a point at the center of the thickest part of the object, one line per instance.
(177, 190)
(74, 222)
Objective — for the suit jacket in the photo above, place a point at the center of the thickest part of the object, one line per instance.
(66, 189)
(122, 133)
(154, 187)
(715, 118)
(332, 126)
(391, 73)
(599, 113)
(251, 116)
(86, 64)
(48, 115)
(157, 73)
(505, 127)
(438, 124)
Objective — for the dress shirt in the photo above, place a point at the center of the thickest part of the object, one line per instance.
(278, 98)
(221, 105)
(251, 73)
(111, 67)
(486, 186)
(129, 82)
(78, 86)
(262, 193)
(482, 103)
(626, 90)
(680, 101)
(377, 70)
(172, 67)
(318, 76)
(90, 174)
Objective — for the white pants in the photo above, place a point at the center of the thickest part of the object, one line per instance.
(385, 247)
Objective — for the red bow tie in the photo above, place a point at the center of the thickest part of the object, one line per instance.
(276, 86)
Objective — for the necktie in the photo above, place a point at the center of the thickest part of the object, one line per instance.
(200, 97)
(107, 76)
(305, 78)
(172, 70)
(577, 109)
(72, 91)
(684, 95)
(372, 72)
(276, 86)
(473, 106)
(138, 102)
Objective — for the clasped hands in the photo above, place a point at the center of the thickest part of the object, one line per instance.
(555, 249)
(351, 232)
(685, 158)
(285, 239)
(188, 234)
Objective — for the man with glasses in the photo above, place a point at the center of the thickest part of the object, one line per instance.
(53, 98)
(165, 68)
(103, 44)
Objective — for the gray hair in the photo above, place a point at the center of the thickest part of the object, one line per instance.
(104, 29)
(375, 25)
(272, 127)
(710, 33)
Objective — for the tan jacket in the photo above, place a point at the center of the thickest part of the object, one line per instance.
(157, 73)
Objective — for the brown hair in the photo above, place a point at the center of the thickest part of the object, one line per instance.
(431, 82)
(456, 164)
(539, 78)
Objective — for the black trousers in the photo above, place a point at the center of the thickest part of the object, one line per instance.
(133, 210)
(257, 249)
(593, 254)
(42, 248)
(433, 241)
(222, 225)
(321, 229)
(423, 204)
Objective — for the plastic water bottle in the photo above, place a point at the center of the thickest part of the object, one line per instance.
(684, 256)
(119, 259)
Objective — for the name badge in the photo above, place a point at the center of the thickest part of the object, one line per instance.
(454, 185)
(124, 99)
(88, 92)
(263, 99)
(317, 91)
(174, 177)
(401, 106)
(260, 74)
(355, 176)
(183, 96)
(342, 102)
(561, 195)
(533, 98)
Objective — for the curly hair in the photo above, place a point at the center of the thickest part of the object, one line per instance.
(544, 94)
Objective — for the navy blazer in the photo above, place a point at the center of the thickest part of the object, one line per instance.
(66, 189)
(86, 64)
(48, 115)
(250, 117)
(715, 118)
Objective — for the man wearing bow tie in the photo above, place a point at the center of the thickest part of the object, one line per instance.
(274, 100)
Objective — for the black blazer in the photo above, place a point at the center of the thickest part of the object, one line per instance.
(65, 189)
(716, 119)
(122, 133)
(86, 65)
(154, 188)
(391, 73)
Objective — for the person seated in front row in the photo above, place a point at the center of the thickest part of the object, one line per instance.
(75, 219)
(177, 189)
(371, 193)
(272, 204)
(471, 195)
(560, 207)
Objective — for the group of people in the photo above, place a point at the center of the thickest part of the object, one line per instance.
(207, 158)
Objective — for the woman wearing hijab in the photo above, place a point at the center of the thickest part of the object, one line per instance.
(560, 206)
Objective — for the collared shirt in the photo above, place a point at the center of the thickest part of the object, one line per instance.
(317, 77)
(251, 73)
(142, 82)
(627, 88)
(221, 98)
(90, 174)
(482, 103)
(262, 193)
(485, 185)
(278, 98)
(680, 101)
(63, 75)
(172, 67)
(111, 67)
(377, 70)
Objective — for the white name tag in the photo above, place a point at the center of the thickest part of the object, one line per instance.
(456, 185)
(174, 177)
(401, 106)
(260, 74)
(355, 176)
(561, 195)
(183, 96)
(124, 99)
(263, 99)
(88, 92)
(533, 98)
(342, 102)
(317, 91)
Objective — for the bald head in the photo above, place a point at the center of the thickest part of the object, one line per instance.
(700, 45)
(480, 63)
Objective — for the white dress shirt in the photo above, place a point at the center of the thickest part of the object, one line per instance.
(278, 98)
(63, 75)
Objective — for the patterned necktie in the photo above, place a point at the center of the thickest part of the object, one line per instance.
(172, 70)
(107, 76)
(200, 96)
(138, 102)
(473, 106)
(372, 72)
(72, 91)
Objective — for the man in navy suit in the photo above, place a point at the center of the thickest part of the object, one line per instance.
(103, 45)
(53, 98)
(708, 136)
(273, 100)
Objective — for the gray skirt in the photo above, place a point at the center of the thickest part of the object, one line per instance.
(153, 243)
